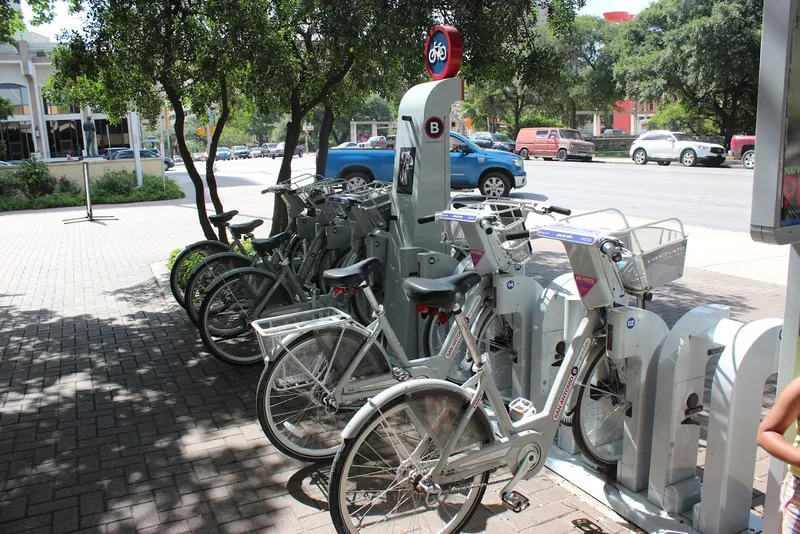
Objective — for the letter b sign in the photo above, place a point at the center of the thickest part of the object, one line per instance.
(434, 127)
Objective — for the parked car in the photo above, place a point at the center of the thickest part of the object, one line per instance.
(257, 152)
(495, 140)
(144, 154)
(744, 147)
(665, 147)
(494, 172)
(614, 132)
(224, 153)
(109, 152)
(553, 143)
(346, 144)
(240, 152)
(269, 146)
(199, 156)
(6, 164)
(277, 152)
(391, 140)
(377, 141)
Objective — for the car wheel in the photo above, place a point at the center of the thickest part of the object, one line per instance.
(300, 154)
(664, 163)
(562, 155)
(524, 153)
(166, 166)
(357, 179)
(640, 157)
(273, 156)
(688, 158)
(749, 159)
(495, 184)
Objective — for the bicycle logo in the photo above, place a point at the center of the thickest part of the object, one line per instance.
(631, 323)
(431, 260)
(438, 52)
(510, 284)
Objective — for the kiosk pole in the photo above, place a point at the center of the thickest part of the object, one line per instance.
(776, 192)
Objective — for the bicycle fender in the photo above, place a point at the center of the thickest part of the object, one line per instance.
(205, 243)
(376, 403)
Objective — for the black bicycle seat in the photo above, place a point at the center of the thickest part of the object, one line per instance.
(239, 229)
(222, 218)
(440, 292)
(353, 275)
(268, 244)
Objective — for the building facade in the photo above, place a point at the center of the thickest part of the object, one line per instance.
(38, 127)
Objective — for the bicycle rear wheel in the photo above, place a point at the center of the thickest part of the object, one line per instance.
(375, 478)
(228, 309)
(185, 262)
(293, 408)
(599, 418)
(204, 274)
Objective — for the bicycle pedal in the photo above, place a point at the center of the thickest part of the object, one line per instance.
(401, 375)
(516, 502)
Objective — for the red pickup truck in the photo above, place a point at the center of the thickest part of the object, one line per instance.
(744, 147)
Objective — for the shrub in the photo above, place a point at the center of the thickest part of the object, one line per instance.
(36, 177)
(67, 186)
(114, 183)
(11, 185)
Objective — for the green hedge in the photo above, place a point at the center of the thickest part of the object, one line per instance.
(32, 186)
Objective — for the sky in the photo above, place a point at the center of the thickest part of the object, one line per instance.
(65, 21)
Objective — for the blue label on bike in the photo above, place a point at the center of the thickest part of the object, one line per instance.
(376, 244)
(564, 235)
(631, 323)
(510, 284)
(431, 260)
(450, 216)
(517, 267)
(337, 199)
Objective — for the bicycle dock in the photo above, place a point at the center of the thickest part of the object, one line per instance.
(664, 493)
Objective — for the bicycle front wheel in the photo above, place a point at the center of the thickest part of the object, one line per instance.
(185, 262)
(296, 412)
(228, 309)
(375, 478)
(204, 274)
(599, 418)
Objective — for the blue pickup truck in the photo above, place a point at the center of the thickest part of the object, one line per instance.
(494, 172)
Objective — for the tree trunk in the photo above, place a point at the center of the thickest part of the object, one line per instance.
(211, 179)
(324, 139)
(279, 216)
(194, 176)
(573, 114)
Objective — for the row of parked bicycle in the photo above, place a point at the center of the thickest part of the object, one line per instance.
(415, 455)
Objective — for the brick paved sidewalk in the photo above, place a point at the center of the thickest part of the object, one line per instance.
(114, 419)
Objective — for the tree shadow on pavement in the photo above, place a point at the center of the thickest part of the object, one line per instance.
(124, 424)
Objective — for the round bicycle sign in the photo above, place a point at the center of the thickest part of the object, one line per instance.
(443, 52)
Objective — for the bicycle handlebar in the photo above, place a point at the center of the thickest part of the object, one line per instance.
(610, 249)
(427, 219)
(517, 235)
(560, 210)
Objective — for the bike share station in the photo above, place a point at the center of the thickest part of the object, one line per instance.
(656, 485)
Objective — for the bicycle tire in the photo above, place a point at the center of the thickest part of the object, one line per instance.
(328, 260)
(205, 273)
(256, 283)
(285, 433)
(177, 275)
(605, 464)
(295, 251)
(433, 402)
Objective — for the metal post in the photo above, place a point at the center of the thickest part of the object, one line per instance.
(136, 143)
(787, 371)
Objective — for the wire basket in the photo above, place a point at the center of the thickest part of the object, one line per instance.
(657, 255)
(272, 331)
(508, 217)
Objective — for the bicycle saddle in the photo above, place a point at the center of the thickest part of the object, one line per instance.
(239, 229)
(220, 218)
(440, 292)
(353, 275)
(268, 244)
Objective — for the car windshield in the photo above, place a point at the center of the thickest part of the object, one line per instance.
(570, 134)
(502, 138)
(683, 137)
(281, 145)
(239, 148)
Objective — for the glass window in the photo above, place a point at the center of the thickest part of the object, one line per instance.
(541, 134)
(570, 134)
(18, 96)
(54, 109)
(17, 138)
(65, 137)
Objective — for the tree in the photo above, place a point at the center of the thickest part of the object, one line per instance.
(10, 22)
(676, 116)
(132, 55)
(6, 110)
(327, 40)
(659, 56)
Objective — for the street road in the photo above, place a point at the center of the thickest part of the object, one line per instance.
(707, 197)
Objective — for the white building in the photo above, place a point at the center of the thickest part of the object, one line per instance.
(37, 126)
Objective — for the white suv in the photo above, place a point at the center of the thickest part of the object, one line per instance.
(665, 147)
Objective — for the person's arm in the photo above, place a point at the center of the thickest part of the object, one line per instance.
(784, 413)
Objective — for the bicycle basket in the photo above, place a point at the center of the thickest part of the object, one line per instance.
(509, 217)
(657, 255)
(271, 331)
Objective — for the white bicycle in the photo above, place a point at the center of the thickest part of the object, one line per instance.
(437, 52)
(418, 456)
